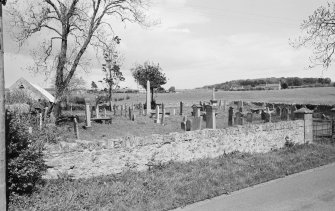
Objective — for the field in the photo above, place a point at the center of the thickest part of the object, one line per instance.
(321, 95)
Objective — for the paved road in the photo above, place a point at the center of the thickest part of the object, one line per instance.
(309, 190)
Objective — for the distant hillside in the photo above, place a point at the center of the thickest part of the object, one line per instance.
(271, 83)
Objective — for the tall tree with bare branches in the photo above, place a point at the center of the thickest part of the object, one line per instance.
(319, 33)
(70, 27)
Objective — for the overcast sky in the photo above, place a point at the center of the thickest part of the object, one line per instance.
(200, 43)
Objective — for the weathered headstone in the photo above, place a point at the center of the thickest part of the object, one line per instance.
(157, 120)
(220, 104)
(230, 116)
(174, 112)
(213, 100)
(105, 112)
(196, 123)
(148, 100)
(293, 110)
(284, 114)
(140, 109)
(249, 117)
(97, 111)
(76, 129)
(210, 117)
(224, 105)
(240, 106)
(238, 118)
(130, 113)
(181, 108)
(88, 116)
(121, 110)
(163, 113)
(71, 108)
(278, 111)
(183, 123)
(188, 125)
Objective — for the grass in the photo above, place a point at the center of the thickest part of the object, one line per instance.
(319, 95)
(175, 184)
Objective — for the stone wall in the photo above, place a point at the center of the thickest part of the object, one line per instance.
(94, 158)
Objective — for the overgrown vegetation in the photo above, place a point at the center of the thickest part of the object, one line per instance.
(175, 184)
(24, 154)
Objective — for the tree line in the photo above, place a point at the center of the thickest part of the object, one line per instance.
(284, 83)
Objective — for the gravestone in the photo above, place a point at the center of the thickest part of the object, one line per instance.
(293, 110)
(224, 105)
(97, 115)
(188, 125)
(230, 116)
(239, 118)
(213, 100)
(249, 117)
(278, 111)
(76, 129)
(157, 120)
(163, 113)
(196, 123)
(140, 109)
(220, 104)
(183, 123)
(240, 105)
(284, 114)
(174, 112)
(88, 115)
(105, 112)
(130, 113)
(148, 100)
(210, 117)
(121, 110)
(181, 108)
(263, 115)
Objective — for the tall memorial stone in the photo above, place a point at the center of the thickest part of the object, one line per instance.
(157, 120)
(88, 115)
(231, 116)
(181, 108)
(210, 117)
(148, 101)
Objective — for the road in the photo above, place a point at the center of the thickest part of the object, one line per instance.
(309, 190)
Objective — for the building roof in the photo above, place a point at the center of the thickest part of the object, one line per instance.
(24, 84)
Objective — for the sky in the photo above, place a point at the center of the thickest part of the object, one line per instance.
(199, 43)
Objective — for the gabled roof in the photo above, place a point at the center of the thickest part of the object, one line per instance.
(24, 84)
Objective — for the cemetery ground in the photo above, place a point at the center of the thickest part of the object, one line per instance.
(174, 184)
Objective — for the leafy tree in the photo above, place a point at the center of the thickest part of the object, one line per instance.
(69, 28)
(149, 72)
(113, 74)
(172, 89)
(284, 85)
(94, 85)
(318, 33)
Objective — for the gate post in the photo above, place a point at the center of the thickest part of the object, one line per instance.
(306, 115)
(333, 122)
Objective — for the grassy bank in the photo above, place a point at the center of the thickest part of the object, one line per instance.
(175, 184)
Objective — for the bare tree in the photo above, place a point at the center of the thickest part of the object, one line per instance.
(71, 26)
(319, 33)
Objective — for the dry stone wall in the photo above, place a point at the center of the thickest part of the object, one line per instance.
(84, 159)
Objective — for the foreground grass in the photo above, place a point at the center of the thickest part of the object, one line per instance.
(175, 184)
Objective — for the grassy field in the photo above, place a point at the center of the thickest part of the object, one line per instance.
(175, 184)
(320, 95)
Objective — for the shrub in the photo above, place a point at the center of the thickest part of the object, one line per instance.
(24, 155)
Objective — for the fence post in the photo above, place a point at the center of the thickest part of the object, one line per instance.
(306, 115)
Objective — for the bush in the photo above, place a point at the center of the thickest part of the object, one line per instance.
(24, 155)
(77, 100)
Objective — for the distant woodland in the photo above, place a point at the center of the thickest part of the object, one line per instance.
(263, 83)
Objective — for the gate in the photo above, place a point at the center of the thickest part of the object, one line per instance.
(323, 129)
